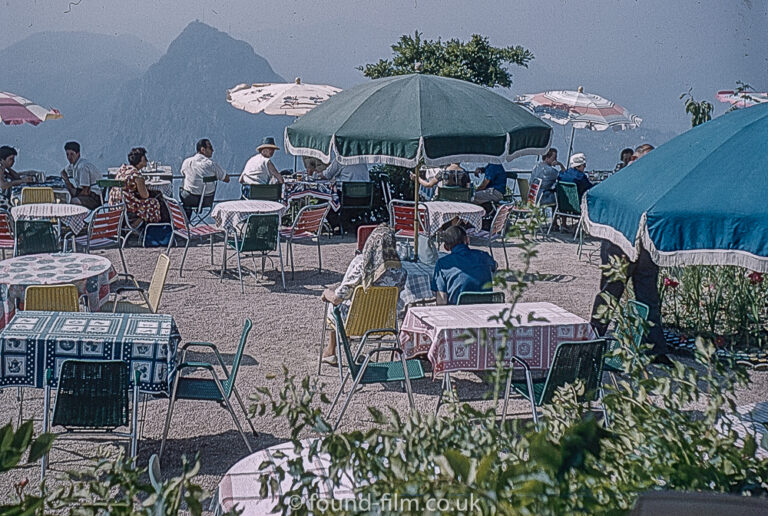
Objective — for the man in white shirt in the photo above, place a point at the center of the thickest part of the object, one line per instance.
(259, 170)
(194, 169)
(344, 173)
(85, 190)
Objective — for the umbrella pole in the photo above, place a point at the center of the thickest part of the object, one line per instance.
(570, 146)
(416, 214)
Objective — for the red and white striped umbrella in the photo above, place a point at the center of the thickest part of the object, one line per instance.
(581, 110)
(15, 110)
(742, 98)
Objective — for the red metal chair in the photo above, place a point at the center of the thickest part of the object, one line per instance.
(363, 232)
(401, 218)
(308, 224)
(6, 237)
(181, 229)
(498, 230)
(105, 229)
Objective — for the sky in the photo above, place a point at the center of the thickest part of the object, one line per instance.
(641, 54)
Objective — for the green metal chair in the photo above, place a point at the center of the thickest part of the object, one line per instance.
(213, 389)
(93, 394)
(356, 196)
(454, 193)
(259, 234)
(573, 360)
(568, 205)
(613, 365)
(106, 184)
(34, 237)
(369, 372)
(269, 192)
(479, 298)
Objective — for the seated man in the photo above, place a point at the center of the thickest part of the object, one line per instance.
(546, 171)
(575, 174)
(259, 169)
(343, 173)
(85, 190)
(194, 169)
(494, 185)
(464, 270)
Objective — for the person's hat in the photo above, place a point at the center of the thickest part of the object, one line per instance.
(267, 143)
(455, 167)
(577, 160)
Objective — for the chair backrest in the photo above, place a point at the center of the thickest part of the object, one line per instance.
(310, 219)
(35, 236)
(157, 284)
(357, 194)
(533, 192)
(269, 192)
(52, 298)
(178, 217)
(401, 215)
(206, 181)
(386, 189)
(522, 186)
(37, 194)
(261, 233)
(92, 394)
(5, 225)
(567, 198)
(107, 222)
(499, 224)
(106, 184)
(229, 383)
(454, 193)
(636, 310)
(575, 360)
(363, 232)
(343, 340)
(371, 309)
(479, 298)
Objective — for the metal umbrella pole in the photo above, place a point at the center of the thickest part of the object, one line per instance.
(416, 213)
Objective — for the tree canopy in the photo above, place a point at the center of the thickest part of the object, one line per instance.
(475, 61)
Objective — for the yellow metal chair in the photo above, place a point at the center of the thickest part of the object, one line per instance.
(37, 194)
(150, 299)
(54, 298)
(369, 310)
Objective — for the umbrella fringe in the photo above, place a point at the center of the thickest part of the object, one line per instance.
(609, 233)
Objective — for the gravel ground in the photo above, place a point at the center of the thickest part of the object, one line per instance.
(286, 333)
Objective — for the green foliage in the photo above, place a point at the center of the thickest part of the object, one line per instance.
(13, 446)
(743, 90)
(571, 464)
(725, 301)
(476, 61)
(700, 111)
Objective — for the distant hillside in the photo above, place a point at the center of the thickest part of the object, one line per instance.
(118, 92)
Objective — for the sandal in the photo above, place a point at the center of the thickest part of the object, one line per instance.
(330, 360)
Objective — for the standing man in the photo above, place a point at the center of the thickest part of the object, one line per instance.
(546, 171)
(464, 270)
(494, 185)
(194, 169)
(259, 170)
(85, 190)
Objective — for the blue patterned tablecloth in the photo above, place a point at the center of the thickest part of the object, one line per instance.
(35, 341)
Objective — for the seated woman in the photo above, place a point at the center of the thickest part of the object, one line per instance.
(9, 177)
(378, 265)
(134, 193)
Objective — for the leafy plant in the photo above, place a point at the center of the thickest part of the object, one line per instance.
(700, 111)
(475, 61)
(13, 446)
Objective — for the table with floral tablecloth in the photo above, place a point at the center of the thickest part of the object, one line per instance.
(440, 333)
(36, 341)
(91, 275)
(325, 190)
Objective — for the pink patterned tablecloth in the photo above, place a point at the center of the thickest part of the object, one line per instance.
(441, 332)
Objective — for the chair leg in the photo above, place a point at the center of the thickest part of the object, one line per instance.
(135, 425)
(407, 381)
(245, 411)
(507, 392)
(20, 401)
(349, 398)
(122, 256)
(319, 255)
(183, 258)
(282, 267)
(338, 395)
(237, 422)
(240, 272)
(322, 338)
(504, 246)
(223, 260)
(446, 385)
(290, 255)
(171, 242)
(46, 427)
(531, 397)
(169, 414)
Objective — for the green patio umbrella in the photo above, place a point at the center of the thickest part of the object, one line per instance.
(409, 120)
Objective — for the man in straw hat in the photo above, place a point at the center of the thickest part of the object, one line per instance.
(259, 170)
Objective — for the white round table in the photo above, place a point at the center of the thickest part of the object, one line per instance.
(441, 212)
(230, 214)
(72, 215)
(160, 185)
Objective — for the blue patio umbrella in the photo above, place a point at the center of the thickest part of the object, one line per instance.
(699, 199)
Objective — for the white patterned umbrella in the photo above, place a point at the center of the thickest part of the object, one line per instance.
(16, 110)
(292, 98)
(742, 98)
(580, 110)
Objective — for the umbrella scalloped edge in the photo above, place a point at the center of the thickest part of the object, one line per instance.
(681, 258)
(410, 162)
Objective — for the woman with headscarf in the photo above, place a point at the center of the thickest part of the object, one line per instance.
(378, 265)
